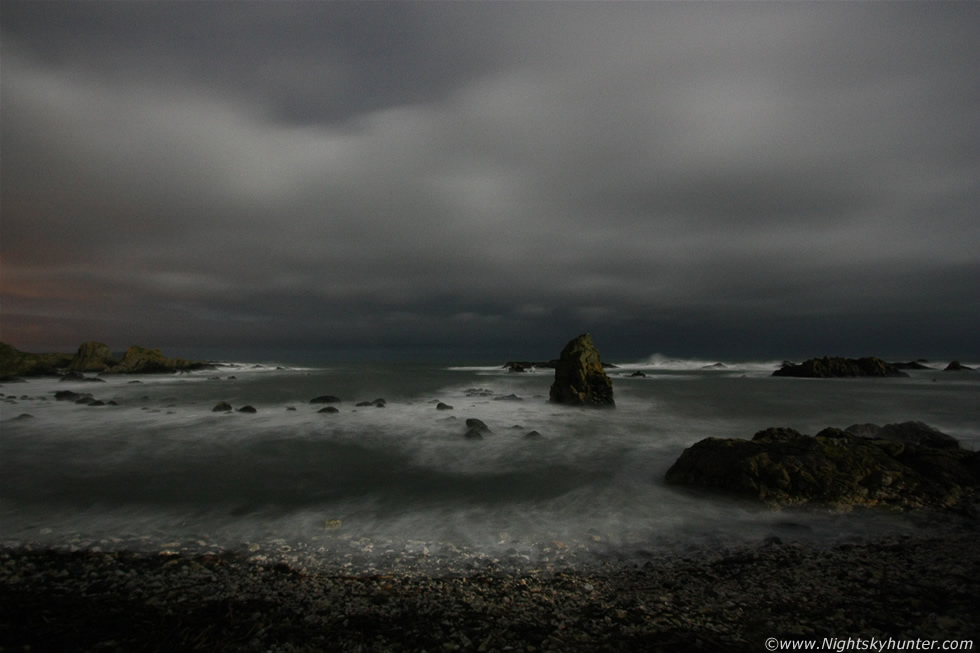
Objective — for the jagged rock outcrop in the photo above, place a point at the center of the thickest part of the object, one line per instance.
(14, 363)
(830, 367)
(956, 366)
(92, 357)
(913, 365)
(834, 468)
(579, 377)
(140, 360)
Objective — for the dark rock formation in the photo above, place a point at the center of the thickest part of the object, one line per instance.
(912, 365)
(477, 425)
(92, 357)
(324, 399)
(579, 377)
(14, 363)
(829, 367)
(378, 403)
(524, 366)
(442, 406)
(639, 374)
(911, 432)
(834, 468)
(247, 409)
(956, 366)
(510, 397)
(221, 407)
(78, 376)
(68, 395)
(329, 409)
(140, 360)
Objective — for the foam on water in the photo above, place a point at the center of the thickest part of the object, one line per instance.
(162, 467)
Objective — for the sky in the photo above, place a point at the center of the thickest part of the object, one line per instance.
(477, 180)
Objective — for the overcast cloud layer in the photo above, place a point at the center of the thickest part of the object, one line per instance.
(477, 179)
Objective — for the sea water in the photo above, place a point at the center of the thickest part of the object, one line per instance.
(160, 469)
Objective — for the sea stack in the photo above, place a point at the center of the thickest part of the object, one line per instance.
(92, 357)
(579, 377)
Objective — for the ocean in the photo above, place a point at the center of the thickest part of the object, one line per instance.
(159, 470)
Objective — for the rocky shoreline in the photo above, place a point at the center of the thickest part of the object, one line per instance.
(726, 599)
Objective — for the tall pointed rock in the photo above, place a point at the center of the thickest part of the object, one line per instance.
(579, 377)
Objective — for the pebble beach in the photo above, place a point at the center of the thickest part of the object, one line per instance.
(730, 599)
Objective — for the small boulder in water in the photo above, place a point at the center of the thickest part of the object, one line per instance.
(379, 403)
(478, 425)
(510, 397)
(247, 409)
(956, 366)
(442, 406)
(78, 376)
(324, 399)
(222, 407)
(329, 409)
(532, 435)
(835, 367)
(68, 395)
(474, 434)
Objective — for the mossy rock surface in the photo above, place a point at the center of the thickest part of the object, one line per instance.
(834, 468)
(15, 363)
(140, 360)
(831, 367)
(92, 357)
(579, 376)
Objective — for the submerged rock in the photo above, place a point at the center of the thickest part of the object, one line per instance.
(579, 376)
(221, 407)
(247, 409)
(324, 399)
(834, 468)
(956, 366)
(329, 409)
(442, 406)
(913, 365)
(830, 367)
(78, 376)
(477, 425)
(68, 395)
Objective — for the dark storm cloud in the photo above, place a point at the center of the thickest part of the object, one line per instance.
(668, 175)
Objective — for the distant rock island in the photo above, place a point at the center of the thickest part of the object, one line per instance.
(831, 367)
(579, 377)
(93, 357)
(899, 466)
